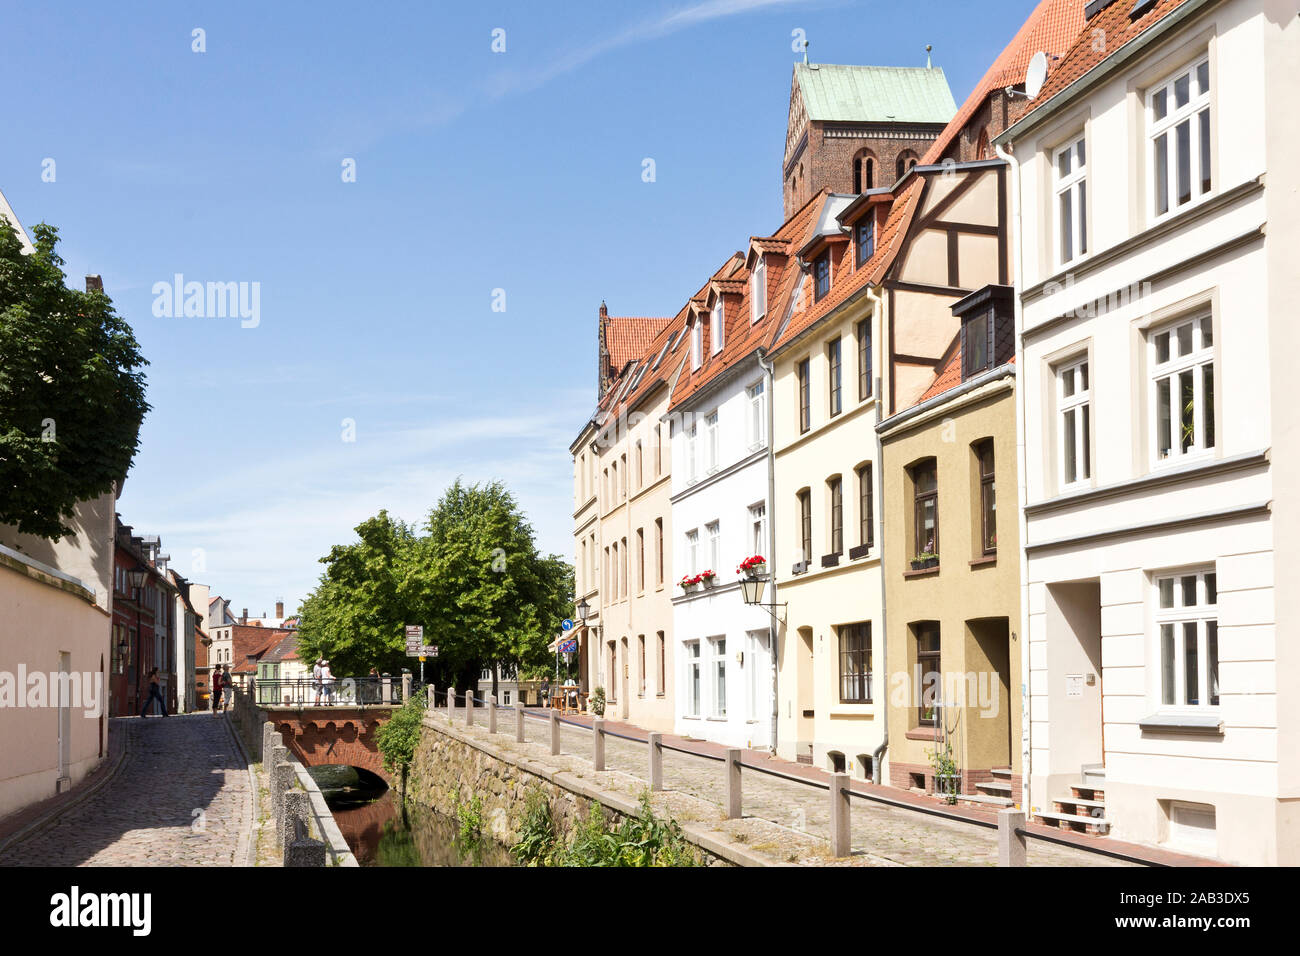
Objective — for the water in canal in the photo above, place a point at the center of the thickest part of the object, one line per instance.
(380, 833)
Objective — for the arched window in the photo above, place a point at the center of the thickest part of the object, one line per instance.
(864, 171)
(906, 160)
(982, 147)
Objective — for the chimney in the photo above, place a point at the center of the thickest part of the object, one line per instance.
(602, 353)
(279, 610)
(244, 619)
(94, 284)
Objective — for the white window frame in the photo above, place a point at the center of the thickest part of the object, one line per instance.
(758, 291)
(692, 452)
(758, 527)
(693, 551)
(757, 396)
(1071, 192)
(718, 677)
(693, 679)
(714, 531)
(1078, 407)
(717, 330)
(1200, 358)
(711, 434)
(1172, 622)
(1198, 102)
(759, 679)
(697, 345)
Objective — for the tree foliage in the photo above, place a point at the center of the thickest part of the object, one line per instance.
(474, 579)
(72, 389)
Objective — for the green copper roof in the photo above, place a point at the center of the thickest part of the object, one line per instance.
(875, 94)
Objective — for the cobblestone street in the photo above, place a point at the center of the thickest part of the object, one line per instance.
(181, 798)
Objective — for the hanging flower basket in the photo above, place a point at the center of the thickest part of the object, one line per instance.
(689, 583)
(708, 578)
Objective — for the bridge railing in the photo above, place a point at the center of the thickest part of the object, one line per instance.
(340, 692)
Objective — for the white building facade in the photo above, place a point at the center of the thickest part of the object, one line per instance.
(1159, 197)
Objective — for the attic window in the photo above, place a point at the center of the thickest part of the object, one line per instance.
(1140, 8)
(716, 327)
(758, 291)
(821, 275)
(866, 243)
(987, 330)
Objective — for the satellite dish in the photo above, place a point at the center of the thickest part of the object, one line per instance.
(1036, 75)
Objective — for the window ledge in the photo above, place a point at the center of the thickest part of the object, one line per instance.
(1209, 725)
(985, 561)
(922, 733)
(921, 572)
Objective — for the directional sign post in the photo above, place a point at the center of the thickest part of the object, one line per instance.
(415, 646)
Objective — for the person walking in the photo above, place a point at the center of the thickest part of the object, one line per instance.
(327, 682)
(316, 678)
(227, 688)
(546, 692)
(216, 688)
(155, 693)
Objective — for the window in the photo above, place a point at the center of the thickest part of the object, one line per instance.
(866, 512)
(622, 483)
(758, 528)
(836, 489)
(692, 456)
(697, 344)
(906, 160)
(640, 466)
(692, 678)
(925, 515)
(660, 690)
(640, 644)
(607, 566)
(758, 665)
(988, 497)
(864, 172)
(1071, 201)
(855, 663)
(805, 397)
(640, 559)
(693, 552)
(975, 343)
(1074, 408)
(866, 238)
(1178, 123)
(718, 675)
(805, 524)
(757, 415)
(1187, 620)
(834, 378)
(716, 328)
(711, 435)
(624, 581)
(659, 444)
(714, 530)
(659, 551)
(613, 571)
(864, 360)
(927, 659)
(1182, 380)
(821, 276)
(758, 291)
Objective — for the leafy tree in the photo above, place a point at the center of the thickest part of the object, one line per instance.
(72, 389)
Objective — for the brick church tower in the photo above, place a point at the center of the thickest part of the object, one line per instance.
(854, 128)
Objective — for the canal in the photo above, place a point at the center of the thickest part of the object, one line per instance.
(380, 832)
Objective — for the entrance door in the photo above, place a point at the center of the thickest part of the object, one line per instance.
(622, 681)
(804, 700)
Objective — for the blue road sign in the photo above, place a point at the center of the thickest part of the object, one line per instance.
(566, 624)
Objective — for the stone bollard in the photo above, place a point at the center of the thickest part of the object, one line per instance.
(598, 742)
(469, 708)
(296, 809)
(431, 691)
(269, 739)
(733, 784)
(1011, 845)
(302, 850)
(492, 713)
(386, 689)
(277, 755)
(519, 720)
(282, 777)
(406, 688)
(656, 747)
(841, 839)
(451, 704)
(555, 732)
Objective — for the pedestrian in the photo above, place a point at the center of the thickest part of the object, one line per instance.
(216, 688)
(327, 682)
(155, 693)
(546, 692)
(374, 686)
(227, 688)
(316, 678)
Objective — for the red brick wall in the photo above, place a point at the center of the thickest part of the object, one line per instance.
(828, 161)
(333, 737)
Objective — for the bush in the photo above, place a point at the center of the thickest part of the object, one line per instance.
(398, 738)
(643, 840)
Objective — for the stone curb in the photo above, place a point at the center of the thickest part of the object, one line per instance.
(564, 779)
(331, 835)
(41, 823)
(254, 797)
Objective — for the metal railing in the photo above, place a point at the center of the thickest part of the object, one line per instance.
(384, 690)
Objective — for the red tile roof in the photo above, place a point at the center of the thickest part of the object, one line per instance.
(628, 337)
(1083, 56)
(949, 375)
(1052, 28)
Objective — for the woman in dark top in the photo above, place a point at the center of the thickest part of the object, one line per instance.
(154, 694)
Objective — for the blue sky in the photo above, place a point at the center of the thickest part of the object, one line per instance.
(475, 171)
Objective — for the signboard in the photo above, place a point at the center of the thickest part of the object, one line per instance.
(415, 646)
(569, 647)
(1073, 685)
(566, 625)
(428, 650)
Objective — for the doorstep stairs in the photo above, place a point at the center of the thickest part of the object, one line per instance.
(1084, 810)
(992, 793)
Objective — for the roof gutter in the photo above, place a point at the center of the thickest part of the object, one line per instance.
(1102, 71)
(916, 411)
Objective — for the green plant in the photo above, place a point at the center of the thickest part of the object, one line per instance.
(537, 837)
(642, 840)
(470, 817)
(597, 702)
(398, 738)
(945, 770)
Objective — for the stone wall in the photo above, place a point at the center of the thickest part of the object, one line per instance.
(451, 767)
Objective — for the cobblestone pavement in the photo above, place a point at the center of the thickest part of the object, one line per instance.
(785, 820)
(181, 798)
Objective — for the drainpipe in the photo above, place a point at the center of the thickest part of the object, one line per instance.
(1022, 488)
(769, 369)
(877, 333)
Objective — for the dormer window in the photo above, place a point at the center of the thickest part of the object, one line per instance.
(866, 239)
(697, 344)
(987, 329)
(758, 291)
(821, 275)
(716, 327)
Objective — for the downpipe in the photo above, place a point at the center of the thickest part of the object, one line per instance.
(769, 374)
(877, 331)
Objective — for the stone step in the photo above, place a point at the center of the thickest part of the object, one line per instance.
(1004, 772)
(986, 800)
(1070, 821)
(994, 787)
(1087, 793)
(1078, 802)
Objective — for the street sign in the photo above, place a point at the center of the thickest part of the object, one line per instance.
(429, 650)
(569, 647)
(415, 646)
(566, 625)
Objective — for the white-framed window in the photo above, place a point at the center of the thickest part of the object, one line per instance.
(758, 528)
(693, 551)
(711, 433)
(1071, 162)
(757, 414)
(718, 676)
(1181, 359)
(714, 530)
(693, 678)
(716, 330)
(697, 344)
(692, 451)
(1074, 418)
(1187, 631)
(1178, 136)
(758, 665)
(758, 291)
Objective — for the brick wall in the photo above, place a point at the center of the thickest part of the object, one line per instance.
(829, 157)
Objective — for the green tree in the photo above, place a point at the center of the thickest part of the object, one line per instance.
(72, 389)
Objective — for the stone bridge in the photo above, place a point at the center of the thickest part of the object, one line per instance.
(333, 734)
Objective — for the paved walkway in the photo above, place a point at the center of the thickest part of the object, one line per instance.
(181, 798)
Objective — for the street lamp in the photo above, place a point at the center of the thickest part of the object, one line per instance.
(137, 577)
(583, 610)
(751, 591)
